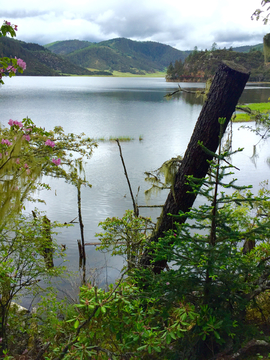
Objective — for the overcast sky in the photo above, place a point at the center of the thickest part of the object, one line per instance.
(180, 23)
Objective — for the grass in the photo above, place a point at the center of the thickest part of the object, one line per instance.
(122, 74)
(120, 138)
(160, 74)
(155, 74)
(263, 108)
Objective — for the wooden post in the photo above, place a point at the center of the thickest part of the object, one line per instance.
(225, 91)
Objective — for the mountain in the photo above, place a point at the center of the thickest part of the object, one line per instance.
(248, 48)
(202, 65)
(119, 54)
(39, 60)
(67, 46)
(75, 57)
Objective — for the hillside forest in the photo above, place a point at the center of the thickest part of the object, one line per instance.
(200, 66)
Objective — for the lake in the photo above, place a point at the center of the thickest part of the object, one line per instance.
(104, 107)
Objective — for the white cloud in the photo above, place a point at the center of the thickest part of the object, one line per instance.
(181, 24)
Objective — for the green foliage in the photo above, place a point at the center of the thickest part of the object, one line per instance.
(125, 236)
(117, 323)
(252, 112)
(202, 65)
(258, 13)
(208, 268)
(26, 251)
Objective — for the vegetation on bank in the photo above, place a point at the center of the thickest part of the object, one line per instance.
(251, 112)
(199, 66)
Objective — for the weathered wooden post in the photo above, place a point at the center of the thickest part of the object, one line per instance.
(225, 91)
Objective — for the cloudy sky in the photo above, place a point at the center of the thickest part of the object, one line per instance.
(180, 23)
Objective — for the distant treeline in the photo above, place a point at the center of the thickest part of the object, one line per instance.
(202, 65)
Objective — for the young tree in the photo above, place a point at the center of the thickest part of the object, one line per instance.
(208, 270)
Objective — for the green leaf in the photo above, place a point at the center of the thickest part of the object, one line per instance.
(168, 338)
(142, 347)
(76, 324)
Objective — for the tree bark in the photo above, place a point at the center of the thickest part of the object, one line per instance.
(225, 91)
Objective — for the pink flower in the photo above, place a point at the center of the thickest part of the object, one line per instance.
(18, 123)
(5, 141)
(17, 161)
(15, 123)
(11, 68)
(26, 166)
(50, 143)
(7, 23)
(56, 161)
(16, 27)
(27, 137)
(27, 171)
(167, 283)
(21, 63)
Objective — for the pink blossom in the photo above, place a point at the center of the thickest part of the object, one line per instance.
(17, 161)
(50, 143)
(6, 141)
(56, 161)
(167, 283)
(21, 63)
(27, 171)
(26, 166)
(15, 123)
(11, 68)
(27, 137)
(7, 23)
(16, 27)
(18, 123)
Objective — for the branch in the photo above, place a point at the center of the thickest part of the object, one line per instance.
(135, 207)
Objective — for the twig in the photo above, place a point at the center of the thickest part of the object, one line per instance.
(80, 221)
(135, 207)
(184, 90)
(42, 351)
(150, 206)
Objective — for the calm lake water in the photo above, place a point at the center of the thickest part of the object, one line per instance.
(104, 107)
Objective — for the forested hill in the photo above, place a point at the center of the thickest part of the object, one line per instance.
(39, 60)
(202, 65)
(119, 54)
